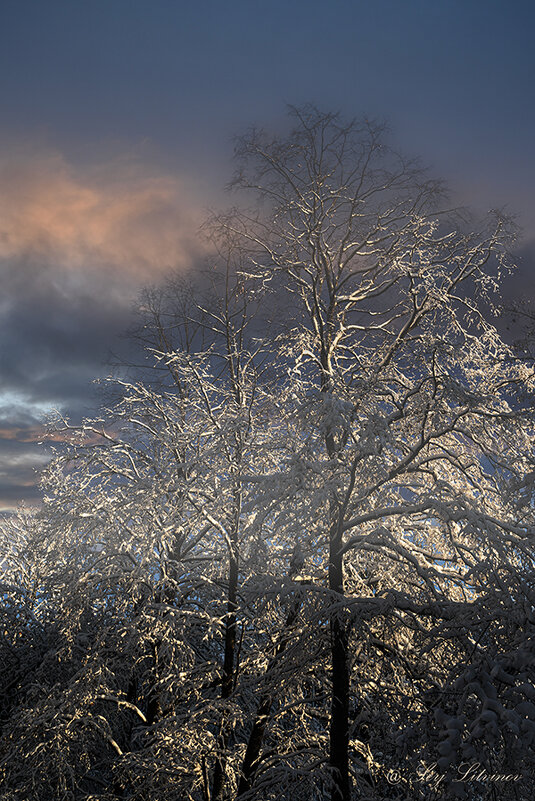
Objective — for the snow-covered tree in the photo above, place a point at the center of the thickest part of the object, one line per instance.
(415, 429)
(294, 558)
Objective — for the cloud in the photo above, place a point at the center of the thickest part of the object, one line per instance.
(76, 245)
(19, 469)
(119, 215)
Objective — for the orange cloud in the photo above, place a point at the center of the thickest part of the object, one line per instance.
(120, 216)
(32, 434)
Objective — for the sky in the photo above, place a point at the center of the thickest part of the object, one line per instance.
(117, 120)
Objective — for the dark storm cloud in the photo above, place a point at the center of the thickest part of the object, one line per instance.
(53, 343)
(19, 466)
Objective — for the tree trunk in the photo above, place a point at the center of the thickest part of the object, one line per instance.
(254, 746)
(256, 738)
(339, 630)
(228, 677)
(339, 726)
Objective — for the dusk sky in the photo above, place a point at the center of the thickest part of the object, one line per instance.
(117, 121)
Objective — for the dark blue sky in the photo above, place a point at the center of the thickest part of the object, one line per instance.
(117, 119)
(455, 77)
